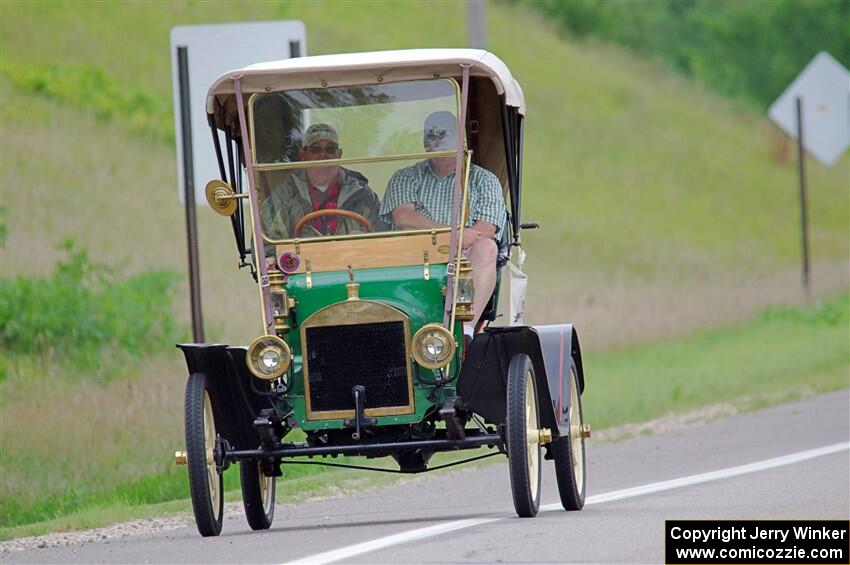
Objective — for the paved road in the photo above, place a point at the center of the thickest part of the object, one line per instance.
(623, 527)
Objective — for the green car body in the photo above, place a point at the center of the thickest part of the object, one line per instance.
(400, 287)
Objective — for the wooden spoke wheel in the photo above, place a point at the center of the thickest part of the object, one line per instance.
(258, 494)
(568, 452)
(205, 482)
(523, 436)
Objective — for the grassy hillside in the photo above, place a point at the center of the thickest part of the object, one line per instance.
(748, 50)
(656, 198)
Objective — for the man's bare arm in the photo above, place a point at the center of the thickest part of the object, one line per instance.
(406, 217)
(486, 229)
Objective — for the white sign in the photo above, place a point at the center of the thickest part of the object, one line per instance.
(824, 90)
(212, 50)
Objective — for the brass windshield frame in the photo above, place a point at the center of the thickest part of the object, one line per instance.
(352, 161)
(252, 130)
(266, 167)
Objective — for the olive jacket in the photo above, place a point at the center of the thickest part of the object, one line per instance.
(289, 201)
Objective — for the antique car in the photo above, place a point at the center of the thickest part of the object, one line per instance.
(362, 350)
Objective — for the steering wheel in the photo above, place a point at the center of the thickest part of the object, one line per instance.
(330, 212)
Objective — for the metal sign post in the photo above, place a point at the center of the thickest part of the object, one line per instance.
(189, 195)
(804, 215)
(821, 91)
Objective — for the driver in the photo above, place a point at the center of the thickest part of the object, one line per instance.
(320, 188)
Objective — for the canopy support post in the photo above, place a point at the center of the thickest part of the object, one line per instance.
(457, 229)
(258, 247)
(234, 219)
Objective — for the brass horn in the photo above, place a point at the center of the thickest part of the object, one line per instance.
(221, 197)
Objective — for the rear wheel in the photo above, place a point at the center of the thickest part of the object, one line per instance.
(568, 452)
(205, 482)
(258, 493)
(522, 435)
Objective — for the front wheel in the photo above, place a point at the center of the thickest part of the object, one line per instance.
(568, 452)
(258, 493)
(523, 436)
(205, 482)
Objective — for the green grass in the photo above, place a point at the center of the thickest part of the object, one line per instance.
(87, 87)
(86, 314)
(781, 355)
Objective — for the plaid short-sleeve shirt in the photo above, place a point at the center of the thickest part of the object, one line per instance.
(432, 196)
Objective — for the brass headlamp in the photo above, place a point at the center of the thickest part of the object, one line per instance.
(433, 346)
(268, 357)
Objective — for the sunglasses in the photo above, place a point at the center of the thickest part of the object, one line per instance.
(317, 149)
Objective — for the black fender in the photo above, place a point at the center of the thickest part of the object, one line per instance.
(482, 383)
(234, 404)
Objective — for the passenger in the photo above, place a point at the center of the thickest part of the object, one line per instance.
(319, 188)
(420, 197)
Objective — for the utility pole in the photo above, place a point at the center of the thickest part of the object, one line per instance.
(476, 24)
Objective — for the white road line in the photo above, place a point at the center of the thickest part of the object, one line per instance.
(711, 475)
(389, 541)
(431, 531)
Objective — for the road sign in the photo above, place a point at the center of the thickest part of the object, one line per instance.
(199, 55)
(213, 50)
(824, 91)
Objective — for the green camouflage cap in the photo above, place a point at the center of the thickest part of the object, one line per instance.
(317, 132)
(440, 131)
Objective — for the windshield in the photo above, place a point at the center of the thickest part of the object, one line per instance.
(350, 156)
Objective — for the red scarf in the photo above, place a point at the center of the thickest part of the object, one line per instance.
(326, 225)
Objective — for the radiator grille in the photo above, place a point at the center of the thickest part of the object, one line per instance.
(372, 355)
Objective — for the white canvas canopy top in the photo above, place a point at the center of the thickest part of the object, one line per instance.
(364, 68)
(496, 101)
